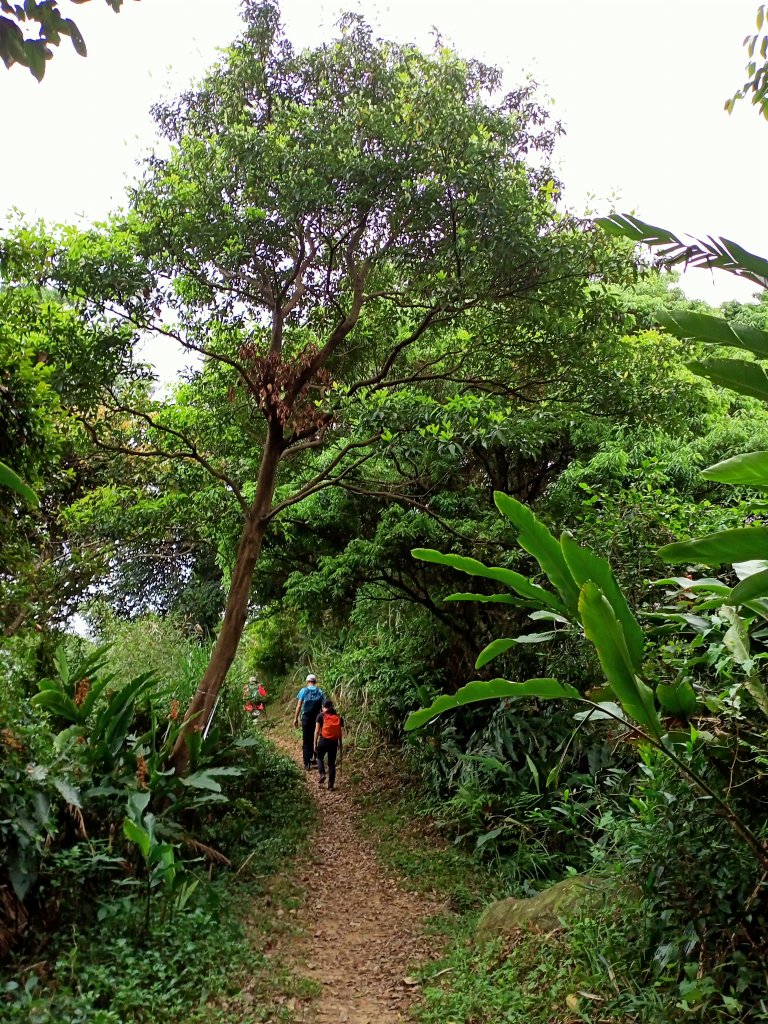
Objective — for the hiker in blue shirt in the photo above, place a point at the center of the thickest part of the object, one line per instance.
(309, 704)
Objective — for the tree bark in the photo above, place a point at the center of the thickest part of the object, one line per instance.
(236, 611)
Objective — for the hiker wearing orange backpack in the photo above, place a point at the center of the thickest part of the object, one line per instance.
(328, 742)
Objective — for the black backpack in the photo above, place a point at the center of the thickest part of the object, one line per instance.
(312, 706)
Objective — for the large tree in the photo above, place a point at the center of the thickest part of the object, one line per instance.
(323, 227)
(51, 359)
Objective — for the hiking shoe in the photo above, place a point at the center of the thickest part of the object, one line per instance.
(306, 767)
(321, 782)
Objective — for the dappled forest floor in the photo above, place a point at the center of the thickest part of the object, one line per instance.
(347, 930)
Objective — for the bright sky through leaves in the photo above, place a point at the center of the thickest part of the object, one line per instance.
(639, 87)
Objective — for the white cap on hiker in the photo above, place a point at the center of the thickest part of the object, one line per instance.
(311, 678)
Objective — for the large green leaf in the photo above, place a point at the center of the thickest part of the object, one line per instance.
(722, 548)
(715, 331)
(756, 689)
(14, 482)
(747, 470)
(697, 622)
(138, 835)
(585, 565)
(710, 253)
(138, 801)
(493, 650)
(625, 225)
(542, 614)
(708, 585)
(206, 778)
(492, 599)
(536, 539)
(736, 637)
(111, 721)
(735, 374)
(68, 791)
(678, 700)
(497, 647)
(491, 763)
(538, 638)
(750, 588)
(57, 703)
(750, 568)
(201, 780)
(605, 631)
(494, 689)
(514, 580)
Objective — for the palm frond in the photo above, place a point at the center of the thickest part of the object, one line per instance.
(712, 253)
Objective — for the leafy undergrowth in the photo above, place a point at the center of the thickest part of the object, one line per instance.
(588, 972)
(575, 975)
(595, 970)
(197, 962)
(409, 843)
(262, 987)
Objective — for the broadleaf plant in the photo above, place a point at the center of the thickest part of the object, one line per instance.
(598, 608)
(14, 483)
(746, 377)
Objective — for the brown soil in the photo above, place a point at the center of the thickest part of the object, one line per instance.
(364, 930)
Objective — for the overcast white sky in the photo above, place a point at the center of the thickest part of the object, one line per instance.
(639, 86)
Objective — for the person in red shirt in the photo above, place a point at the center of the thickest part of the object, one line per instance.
(251, 692)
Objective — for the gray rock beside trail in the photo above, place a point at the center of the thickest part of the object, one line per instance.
(541, 912)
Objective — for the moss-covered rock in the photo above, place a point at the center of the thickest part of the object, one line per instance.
(541, 912)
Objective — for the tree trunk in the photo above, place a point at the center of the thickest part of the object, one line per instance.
(254, 527)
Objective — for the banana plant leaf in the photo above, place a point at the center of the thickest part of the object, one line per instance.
(750, 588)
(544, 615)
(756, 690)
(750, 568)
(605, 631)
(715, 331)
(497, 647)
(678, 700)
(206, 778)
(492, 599)
(735, 374)
(536, 539)
(602, 711)
(494, 689)
(58, 703)
(14, 483)
(696, 622)
(514, 580)
(736, 638)
(708, 585)
(584, 566)
(710, 253)
(747, 470)
(722, 548)
(136, 834)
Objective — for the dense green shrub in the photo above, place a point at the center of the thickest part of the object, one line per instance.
(86, 800)
(106, 943)
(704, 898)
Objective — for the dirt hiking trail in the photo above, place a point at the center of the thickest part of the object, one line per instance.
(364, 932)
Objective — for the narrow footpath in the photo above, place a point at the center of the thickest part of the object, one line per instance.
(364, 931)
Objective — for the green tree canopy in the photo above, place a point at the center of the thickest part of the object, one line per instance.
(357, 219)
